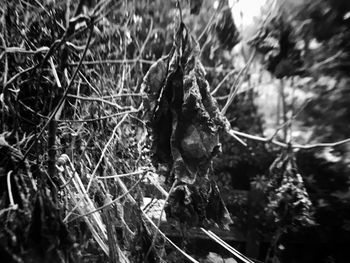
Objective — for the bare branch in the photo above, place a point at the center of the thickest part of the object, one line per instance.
(25, 51)
(167, 239)
(120, 175)
(9, 189)
(98, 100)
(103, 117)
(104, 152)
(285, 145)
(223, 81)
(113, 61)
(238, 82)
(227, 246)
(110, 203)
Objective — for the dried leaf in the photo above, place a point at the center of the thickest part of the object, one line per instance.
(278, 46)
(226, 29)
(185, 122)
(289, 201)
(196, 6)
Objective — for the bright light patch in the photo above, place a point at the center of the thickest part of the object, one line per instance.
(216, 4)
(244, 11)
(346, 16)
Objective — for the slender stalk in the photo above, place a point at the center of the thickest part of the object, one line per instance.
(171, 242)
(285, 145)
(237, 83)
(282, 97)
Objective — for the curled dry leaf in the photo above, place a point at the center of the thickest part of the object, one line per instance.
(289, 201)
(277, 43)
(196, 6)
(226, 29)
(185, 122)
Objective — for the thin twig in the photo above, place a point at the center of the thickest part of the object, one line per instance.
(76, 101)
(114, 61)
(97, 99)
(158, 186)
(231, 133)
(292, 106)
(95, 89)
(160, 219)
(137, 60)
(5, 74)
(54, 73)
(67, 14)
(167, 239)
(219, 69)
(223, 81)
(146, 40)
(326, 61)
(110, 203)
(208, 25)
(9, 189)
(178, 5)
(8, 209)
(49, 14)
(285, 145)
(282, 98)
(120, 175)
(31, 110)
(24, 51)
(288, 122)
(19, 74)
(70, 179)
(100, 6)
(238, 82)
(101, 118)
(319, 145)
(227, 246)
(112, 96)
(104, 152)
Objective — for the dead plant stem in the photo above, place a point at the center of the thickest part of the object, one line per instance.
(238, 81)
(104, 152)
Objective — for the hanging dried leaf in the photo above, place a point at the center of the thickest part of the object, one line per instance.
(185, 123)
(288, 200)
(277, 45)
(196, 6)
(226, 29)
